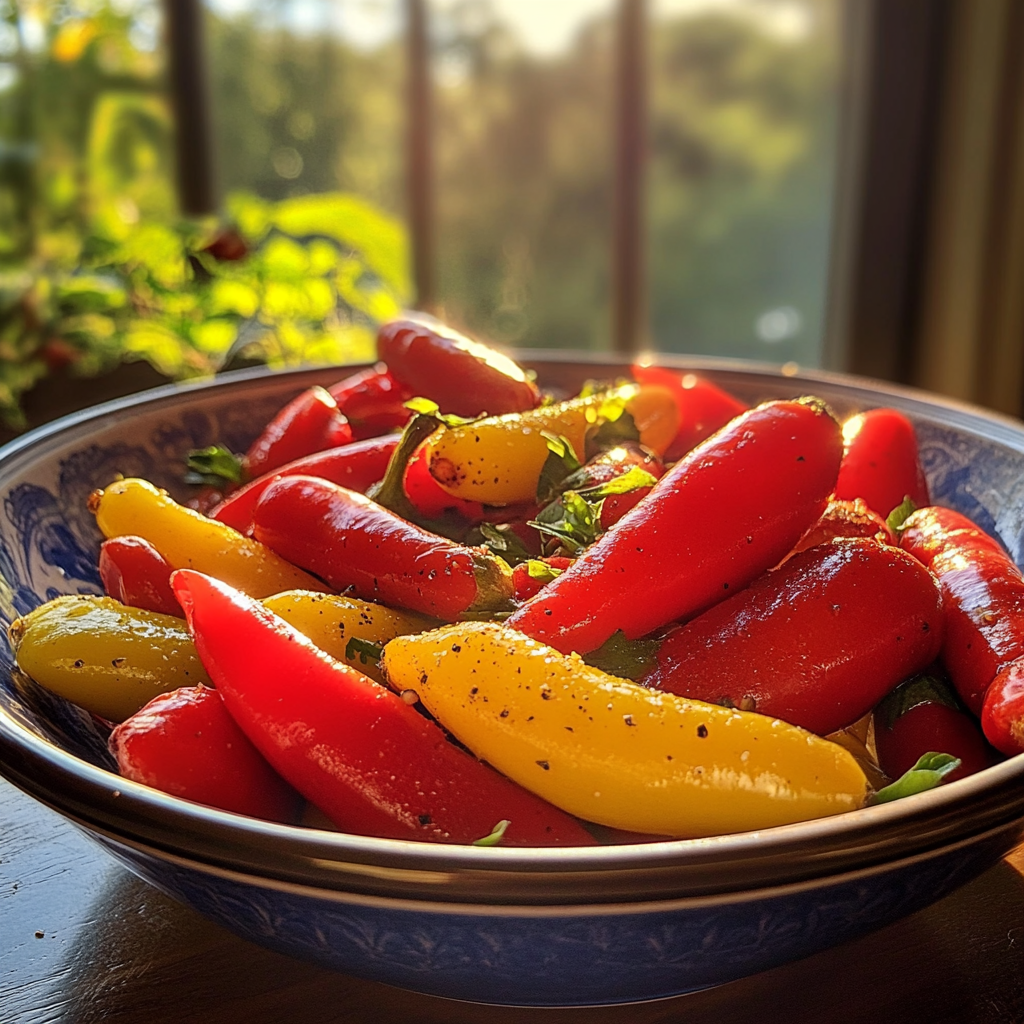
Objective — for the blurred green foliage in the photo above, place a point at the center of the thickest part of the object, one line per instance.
(742, 157)
(95, 267)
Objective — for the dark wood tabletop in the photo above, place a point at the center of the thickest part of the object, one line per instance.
(83, 940)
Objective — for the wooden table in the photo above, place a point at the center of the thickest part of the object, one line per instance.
(83, 940)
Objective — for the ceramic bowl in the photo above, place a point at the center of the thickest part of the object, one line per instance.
(529, 927)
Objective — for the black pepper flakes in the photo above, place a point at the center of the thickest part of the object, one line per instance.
(702, 731)
(544, 765)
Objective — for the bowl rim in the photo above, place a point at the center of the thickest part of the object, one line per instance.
(100, 800)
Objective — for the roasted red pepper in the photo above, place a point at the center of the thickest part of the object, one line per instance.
(530, 577)
(358, 751)
(355, 466)
(309, 423)
(846, 519)
(136, 574)
(372, 401)
(817, 642)
(352, 542)
(922, 715)
(186, 744)
(983, 593)
(460, 375)
(729, 510)
(703, 407)
(1002, 714)
(880, 462)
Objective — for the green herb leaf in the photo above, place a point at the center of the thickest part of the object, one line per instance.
(575, 521)
(929, 771)
(504, 542)
(633, 479)
(538, 570)
(213, 466)
(900, 514)
(496, 835)
(561, 462)
(622, 657)
(615, 425)
(425, 407)
(365, 650)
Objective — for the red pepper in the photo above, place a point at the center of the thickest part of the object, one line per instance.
(355, 466)
(528, 586)
(186, 744)
(817, 642)
(983, 593)
(846, 519)
(880, 462)
(920, 716)
(352, 542)
(136, 574)
(358, 751)
(729, 510)
(460, 375)
(372, 401)
(703, 407)
(309, 423)
(428, 497)
(1002, 714)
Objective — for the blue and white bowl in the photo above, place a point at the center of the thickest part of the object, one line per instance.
(528, 927)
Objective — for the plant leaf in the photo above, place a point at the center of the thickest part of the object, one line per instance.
(538, 570)
(496, 834)
(622, 657)
(572, 519)
(365, 650)
(561, 463)
(503, 541)
(214, 465)
(900, 514)
(930, 770)
(633, 479)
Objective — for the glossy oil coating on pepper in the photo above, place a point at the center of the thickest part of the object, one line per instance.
(363, 755)
(613, 752)
(498, 460)
(352, 542)
(186, 744)
(106, 657)
(983, 592)
(189, 540)
(817, 642)
(731, 509)
(461, 375)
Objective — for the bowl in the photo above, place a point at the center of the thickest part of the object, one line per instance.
(537, 927)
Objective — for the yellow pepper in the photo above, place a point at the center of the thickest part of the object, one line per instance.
(331, 621)
(615, 753)
(189, 540)
(498, 460)
(104, 656)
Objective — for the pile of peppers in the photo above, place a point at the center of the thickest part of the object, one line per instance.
(432, 603)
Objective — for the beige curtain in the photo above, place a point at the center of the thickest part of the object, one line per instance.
(970, 338)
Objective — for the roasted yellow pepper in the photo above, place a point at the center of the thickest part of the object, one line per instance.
(616, 753)
(331, 621)
(103, 656)
(498, 460)
(189, 540)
